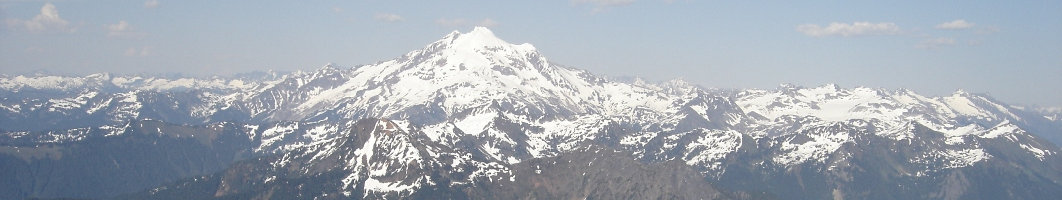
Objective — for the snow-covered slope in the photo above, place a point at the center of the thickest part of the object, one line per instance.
(891, 114)
(61, 102)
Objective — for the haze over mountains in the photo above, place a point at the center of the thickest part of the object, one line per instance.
(473, 116)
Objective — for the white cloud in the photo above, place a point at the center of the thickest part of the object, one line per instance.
(602, 5)
(337, 9)
(849, 30)
(133, 51)
(388, 17)
(955, 25)
(459, 22)
(122, 29)
(151, 4)
(936, 43)
(47, 21)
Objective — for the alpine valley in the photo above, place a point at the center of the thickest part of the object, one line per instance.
(471, 116)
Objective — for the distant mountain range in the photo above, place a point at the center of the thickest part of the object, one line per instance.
(473, 116)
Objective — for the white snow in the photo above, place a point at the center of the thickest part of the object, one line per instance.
(70, 83)
(963, 158)
(818, 148)
(711, 147)
(1004, 129)
(828, 103)
(373, 186)
(960, 103)
(475, 124)
(41, 82)
(439, 132)
(275, 134)
(638, 138)
(1039, 153)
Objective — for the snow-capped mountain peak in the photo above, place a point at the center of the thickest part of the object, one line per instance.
(478, 48)
(481, 37)
(458, 72)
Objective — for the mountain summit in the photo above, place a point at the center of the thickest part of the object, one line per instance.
(472, 70)
(480, 44)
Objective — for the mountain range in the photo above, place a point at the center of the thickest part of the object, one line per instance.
(474, 116)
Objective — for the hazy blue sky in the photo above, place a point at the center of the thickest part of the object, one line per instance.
(1009, 49)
